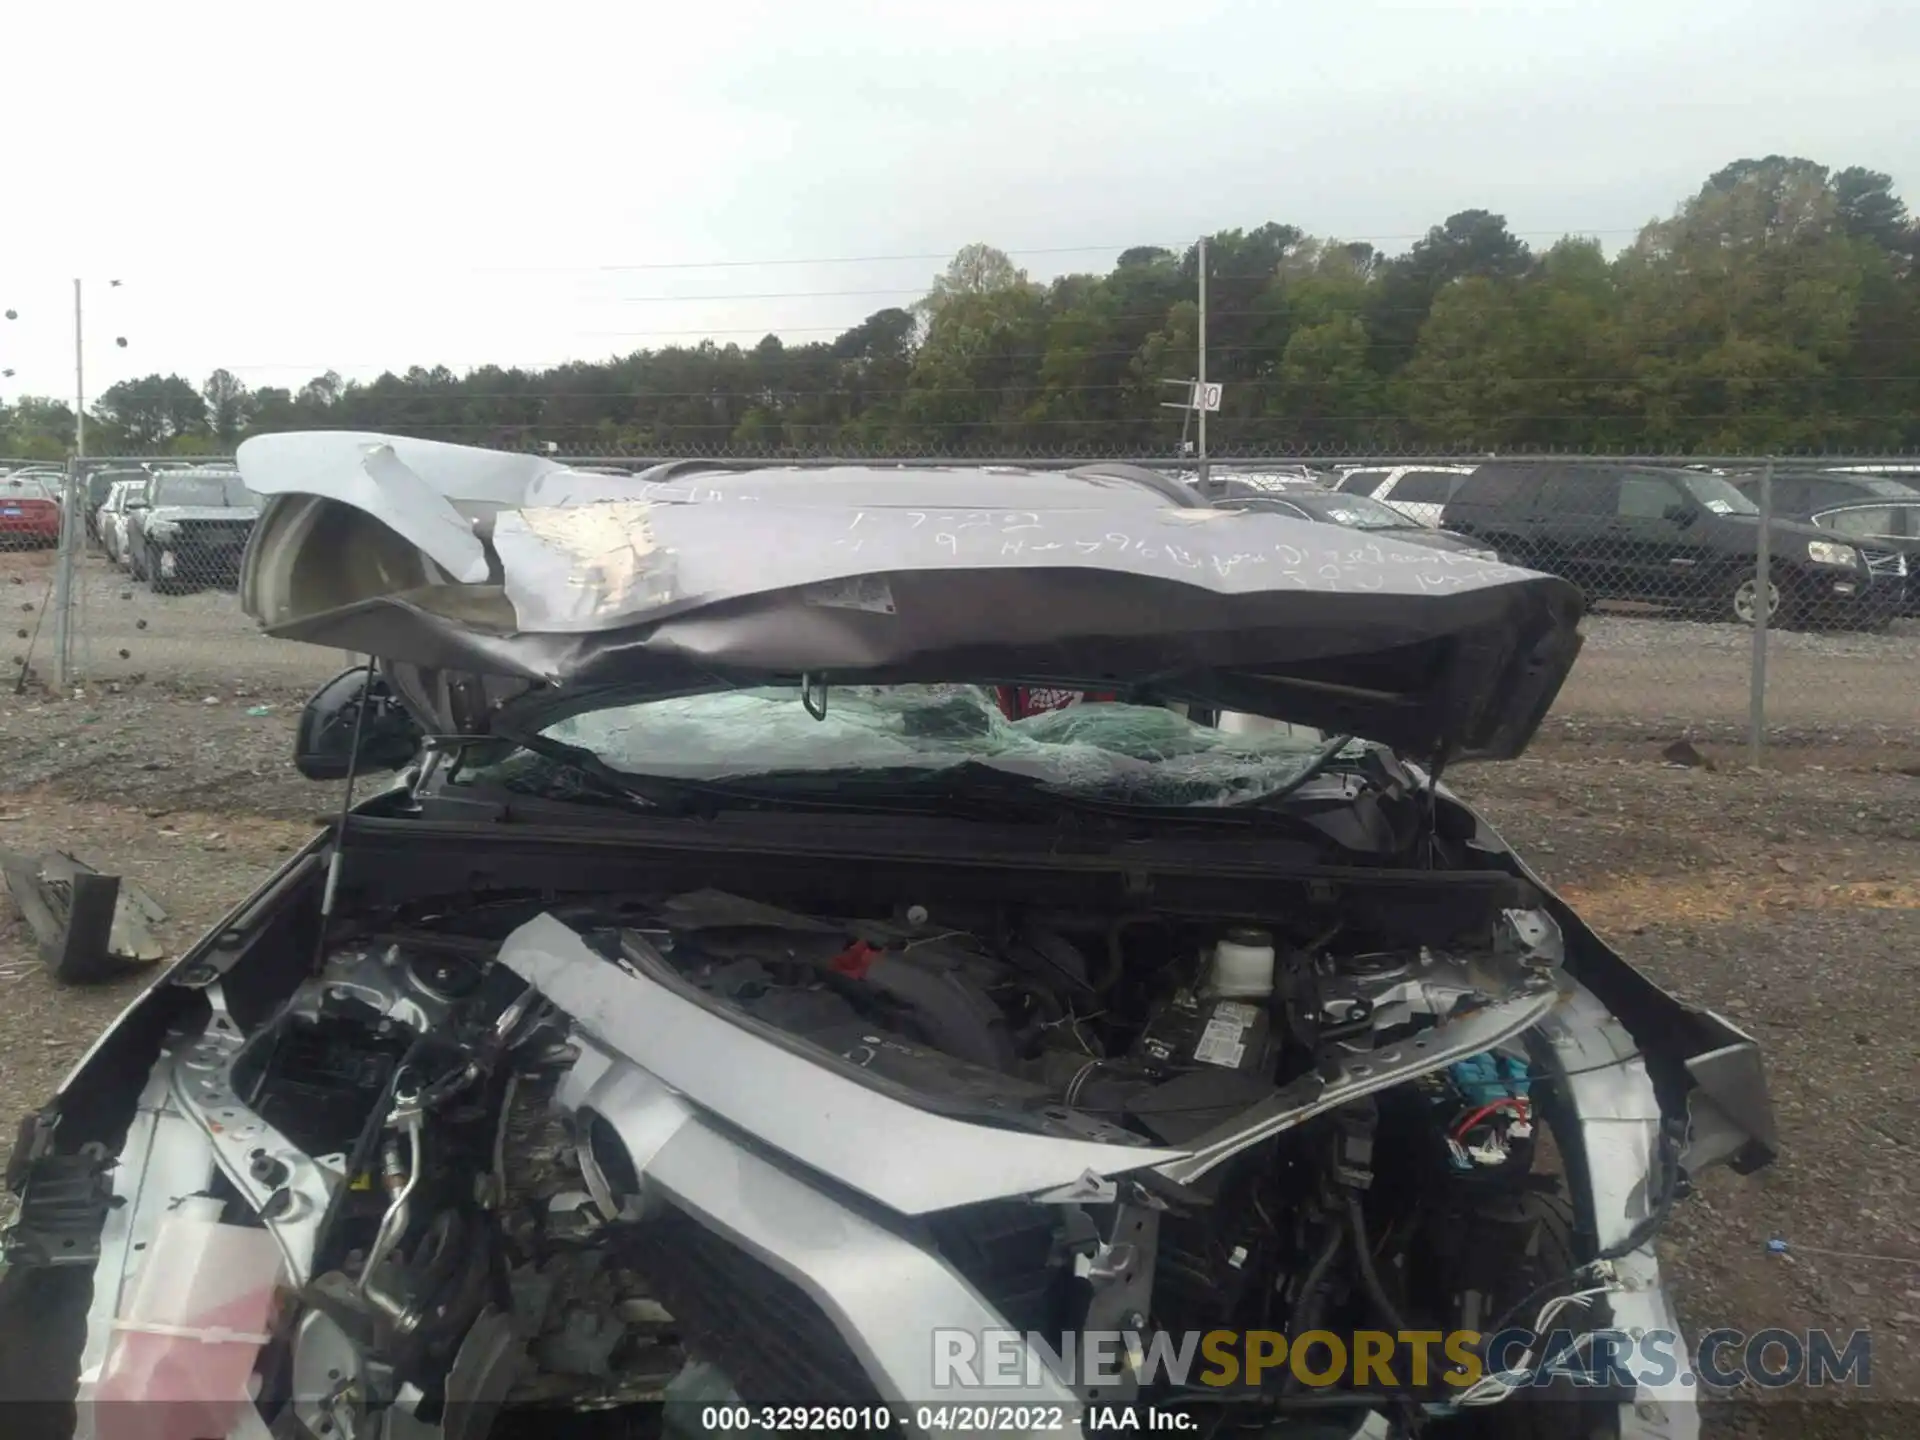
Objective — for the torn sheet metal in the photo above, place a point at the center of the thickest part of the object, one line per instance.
(91, 927)
(759, 1089)
(606, 550)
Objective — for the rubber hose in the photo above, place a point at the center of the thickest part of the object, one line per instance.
(1369, 1274)
(1306, 1305)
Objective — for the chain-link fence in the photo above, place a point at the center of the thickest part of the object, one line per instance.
(141, 587)
(1728, 596)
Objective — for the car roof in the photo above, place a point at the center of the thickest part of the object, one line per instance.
(1293, 475)
(1860, 483)
(1594, 468)
(1820, 472)
(1436, 467)
(1240, 487)
(1245, 499)
(1334, 499)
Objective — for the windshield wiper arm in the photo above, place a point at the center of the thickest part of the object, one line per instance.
(972, 788)
(674, 797)
(1322, 758)
(922, 792)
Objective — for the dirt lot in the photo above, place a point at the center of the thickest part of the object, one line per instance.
(125, 634)
(1791, 901)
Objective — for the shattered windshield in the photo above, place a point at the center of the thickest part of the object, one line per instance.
(1356, 512)
(1094, 750)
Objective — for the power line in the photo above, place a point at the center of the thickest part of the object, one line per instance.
(762, 295)
(1175, 247)
(1276, 271)
(801, 360)
(847, 259)
(1276, 312)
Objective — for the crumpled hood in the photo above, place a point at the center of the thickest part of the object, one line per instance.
(454, 564)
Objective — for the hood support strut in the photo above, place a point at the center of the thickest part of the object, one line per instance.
(332, 890)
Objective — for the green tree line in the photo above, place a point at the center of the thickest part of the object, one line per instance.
(1777, 309)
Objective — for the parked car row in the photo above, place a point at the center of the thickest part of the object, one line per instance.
(177, 529)
(33, 496)
(1843, 544)
(1840, 544)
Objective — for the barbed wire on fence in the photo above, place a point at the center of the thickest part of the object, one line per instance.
(995, 451)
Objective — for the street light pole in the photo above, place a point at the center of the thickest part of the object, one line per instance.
(1200, 397)
(79, 380)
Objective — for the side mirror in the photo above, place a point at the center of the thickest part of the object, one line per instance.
(323, 747)
(1681, 515)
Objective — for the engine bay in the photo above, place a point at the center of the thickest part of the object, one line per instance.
(469, 1241)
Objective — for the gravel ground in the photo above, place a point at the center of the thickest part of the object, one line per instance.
(1693, 674)
(1791, 903)
(1789, 900)
(125, 634)
(1651, 634)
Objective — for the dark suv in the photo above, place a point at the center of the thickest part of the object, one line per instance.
(1682, 538)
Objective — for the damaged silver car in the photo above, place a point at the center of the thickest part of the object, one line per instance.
(754, 991)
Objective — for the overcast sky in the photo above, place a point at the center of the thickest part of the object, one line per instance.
(285, 189)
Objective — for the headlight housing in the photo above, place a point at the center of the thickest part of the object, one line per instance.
(1830, 552)
(160, 530)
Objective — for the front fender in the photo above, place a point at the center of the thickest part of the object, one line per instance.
(1644, 1090)
(1709, 1072)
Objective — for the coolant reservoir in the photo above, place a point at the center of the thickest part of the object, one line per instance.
(1242, 966)
(184, 1347)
